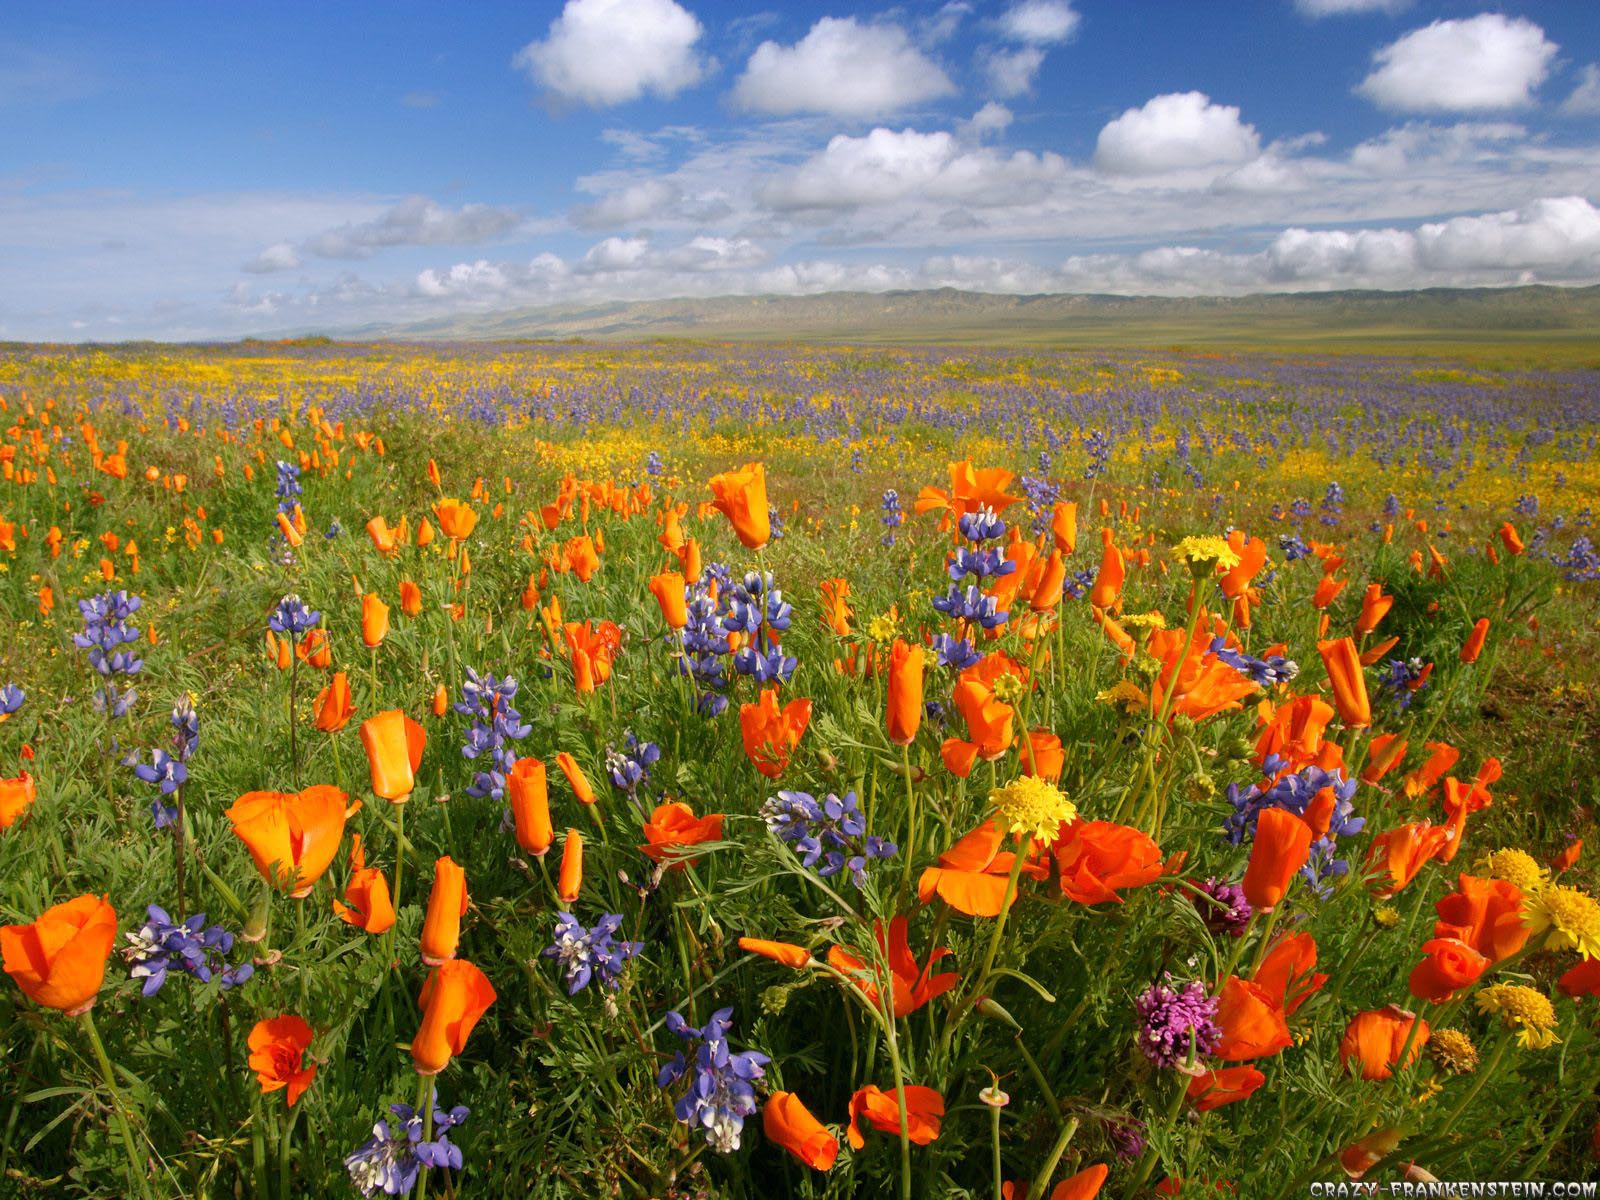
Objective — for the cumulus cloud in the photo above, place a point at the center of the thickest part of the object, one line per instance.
(1175, 132)
(1039, 21)
(1481, 63)
(841, 67)
(1340, 8)
(604, 52)
(991, 119)
(1585, 98)
(279, 257)
(416, 221)
(1011, 72)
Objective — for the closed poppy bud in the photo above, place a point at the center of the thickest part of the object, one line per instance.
(441, 701)
(741, 496)
(456, 995)
(1048, 592)
(1282, 844)
(1064, 526)
(1387, 751)
(575, 778)
(59, 960)
(1374, 607)
(290, 533)
(277, 1055)
(528, 792)
(788, 1123)
(367, 903)
(424, 533)
(394, 743)
(668, 589)
(1107, 586)
(1373, 1041)
(570, 881)
(1450, 965)
(334, 706)
(16, 795)
(1343, 663)
(410, 598)
(292, 836)
(1213, 1089)
(904, 713)
(1475, 640)
(447, 904)
(784, 953)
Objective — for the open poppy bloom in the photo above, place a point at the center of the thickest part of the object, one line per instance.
(973, 874)
(1396, 855)
(1449, 966)
(315, 650)
(1486, 914)
(1042, 755)
(334, 707)
(385, 540)
(1282, 845)
(1202, 684)
(788, 1123)
(394, 745)
(1343, 663)
(741, 496)
(913, 986)
(292, 836)
(59, 958)
(1253, 1024)
(367, 904)
(1373, 1040)
(528, 793)
(453, 999)
(278, 1048)
(989, 726)
(924, 1112)
(592, 649)
(1441, 757)
(771, 733)
(1213, 1089)
(1252, 552)
(1097, 859)
(1374, 607)
(1288, 972)
(456, 520)
(447, 904)
(673, 826)
(16, 796)
(971, 488)
(904, 712)
(1294, 732)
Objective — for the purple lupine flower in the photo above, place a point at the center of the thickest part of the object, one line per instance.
(1273, 669)
(390, 1160)
(293, 617)
(586, 954)
(1401, 680)
(831, 831)
(1175, 1020)
(495, 725)
(629, 767)
(1127, 1137)
(1295, 793)
(720, 1094)
(893, 515)
(288, 489)
(191, 947)
(1230, 914)
(11, 699)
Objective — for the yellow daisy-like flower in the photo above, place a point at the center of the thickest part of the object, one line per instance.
(1126, 695)
(1454, 1051)
(1386, 915)
(1516, 867)
(1144, 620)
(1524, 1009)
(1008, 688)
(1033, 806)
(882, 628)
(1571, 917)
(1204, 554)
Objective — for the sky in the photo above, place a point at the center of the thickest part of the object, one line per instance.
(183, 171)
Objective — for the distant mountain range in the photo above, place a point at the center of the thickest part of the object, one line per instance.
(947, 315)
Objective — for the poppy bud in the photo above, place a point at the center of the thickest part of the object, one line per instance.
(456, 995)
(530, 805)
(1282, 844)
(571, 878)
(904, 714)
(447, 904)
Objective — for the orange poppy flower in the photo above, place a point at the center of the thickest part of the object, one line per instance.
(334, 707)
(374, 620)
(741, 496)
(384, 539)
(315, 650)
(1581, 980)
(1484, 913)
(529, 795)
(440, 703)
(278, 1048)
(1343, 662)
(1510, 538)
(16, 796)
(788, 1123)
(447, 904)
(1253, 1024)
(1252, 552)
(59, 959)
(592, 649)
(575, 778)
(904, 712)
(394, 745)
(1202, 683)
(988, 719)
(292, 836)
(836, 610)
(280, 651)
(1107, 587)
(455, 996)
(1042, 755)
(1046, 592)
(1288, 972)
(1374, 607)
(1386, 752)
(1064, 526)
(672, 826)
(787, 954)
(1327, 589)
(456, 520)
(1449, 965)
(1396, 855)
(668, 589)
(1282, 845)
(1473, 646)
(1213, 1089)
(1373, 1040)
(410, 598)
(771, 733)
(971, 488)
(1294, 732)
(1567, 856)
(570, 881)
(923, 1113)
(1361, 1155)
(912, 985)
(1097, 859)
(366, 897)
(973, 874)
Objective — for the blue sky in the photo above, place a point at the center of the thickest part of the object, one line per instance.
(174, 170)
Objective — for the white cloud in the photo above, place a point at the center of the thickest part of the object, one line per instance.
(841, 67)
(1040, 21)
(615, 254)
(992, 118)
(604, 52)
(1175, 132)
(1399, 150)
(631, 205)
(416, 221)
(942, 26)
(278, 257)
(1477, 64)
(1011, 72)
(1585, 98)
(1339, 8)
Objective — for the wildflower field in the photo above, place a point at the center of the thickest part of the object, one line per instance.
(726, 771)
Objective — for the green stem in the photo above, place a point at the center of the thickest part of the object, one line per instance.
(994, 1138)
(425, 1103)
(1482, 1078)
(285, 1145)
(1041, 1181)
(135, 1166)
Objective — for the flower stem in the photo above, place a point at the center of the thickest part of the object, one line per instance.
(135, 1167)
(1041, 1181)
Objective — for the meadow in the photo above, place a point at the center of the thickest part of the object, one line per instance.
(709, 770)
